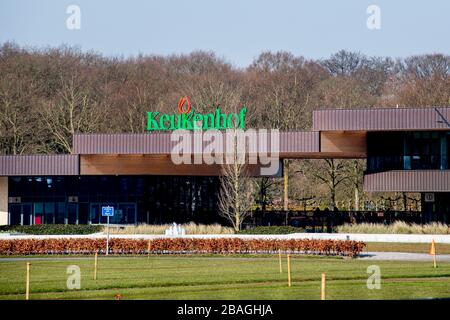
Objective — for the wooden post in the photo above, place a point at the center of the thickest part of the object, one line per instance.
(148, 249)
(433, 252)
(289, 269)
(27, 283)
(95, 265)
(286, 185)
(279, 259)
(322, 293)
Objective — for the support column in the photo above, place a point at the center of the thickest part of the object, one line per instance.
(286, 184)
(428, 209)
(4, 201)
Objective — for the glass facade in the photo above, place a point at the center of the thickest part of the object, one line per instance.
(438, 210)
(417, 150)
(136, 199)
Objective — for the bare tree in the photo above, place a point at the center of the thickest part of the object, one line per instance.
(332, 173)
(424, 81)
(46, 95)
(15, 128)
(344, 63)
(264, 188)
(236, 191)
(72, 112)
(355, 170)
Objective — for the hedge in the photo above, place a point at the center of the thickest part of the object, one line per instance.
(179, 245)
(53, 229)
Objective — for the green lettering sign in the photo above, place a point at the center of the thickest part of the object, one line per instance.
(192, 120)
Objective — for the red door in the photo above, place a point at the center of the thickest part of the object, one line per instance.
(38, 219)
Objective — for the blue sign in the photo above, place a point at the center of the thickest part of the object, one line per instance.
(107, 211)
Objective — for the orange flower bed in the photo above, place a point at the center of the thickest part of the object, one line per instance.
(180, 245)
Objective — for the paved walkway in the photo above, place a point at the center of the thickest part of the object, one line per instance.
(402, 256)
(387, 256)
(402, 238)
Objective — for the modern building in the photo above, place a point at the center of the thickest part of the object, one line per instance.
(406, 151)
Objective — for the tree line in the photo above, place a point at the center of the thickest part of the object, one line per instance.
(48, 94)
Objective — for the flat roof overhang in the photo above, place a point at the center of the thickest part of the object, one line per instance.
(150, 154)
(337, 133)
(159, 143)
(132, 164)
(382, 119)
(36, 165)
(408, 181)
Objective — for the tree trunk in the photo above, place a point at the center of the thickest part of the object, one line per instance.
(238, 222)
(356, 199)
(333, 199)
(405, 201)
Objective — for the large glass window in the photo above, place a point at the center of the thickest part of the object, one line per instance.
(95, 213)
(49, 212)
(422, 150)
(38, 213)
(15, 212)
(418, 150)
(72, 213)
(60, 214)
(78, 199)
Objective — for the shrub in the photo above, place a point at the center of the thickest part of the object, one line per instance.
(179, 245)
(272, 230)
(398, 227)
(56, 229)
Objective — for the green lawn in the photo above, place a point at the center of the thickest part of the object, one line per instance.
(224, 277)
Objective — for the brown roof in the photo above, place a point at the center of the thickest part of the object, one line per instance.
(408, 181)
(22, 165)
(159, 143)
(378, 119)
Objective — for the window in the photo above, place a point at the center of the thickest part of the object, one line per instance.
(418, 150)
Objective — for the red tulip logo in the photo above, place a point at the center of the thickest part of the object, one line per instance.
(184, 101)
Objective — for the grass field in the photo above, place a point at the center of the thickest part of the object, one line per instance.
(223, 277)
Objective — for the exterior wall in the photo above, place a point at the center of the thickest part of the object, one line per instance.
(408, 181)
(125, 143)
(148, 165)
(140, 164)
(3, 200)
(380, 119)
(78, 199)
(344, 143)
(437, 208)
(34, 165)
(297, 143)
(407, 150)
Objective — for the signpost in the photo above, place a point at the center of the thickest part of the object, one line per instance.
(107, 212)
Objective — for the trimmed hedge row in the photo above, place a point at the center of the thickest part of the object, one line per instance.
(53, 229)
(179, 245)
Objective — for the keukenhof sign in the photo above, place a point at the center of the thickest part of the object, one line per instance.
(217, 138)
(188, 119)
